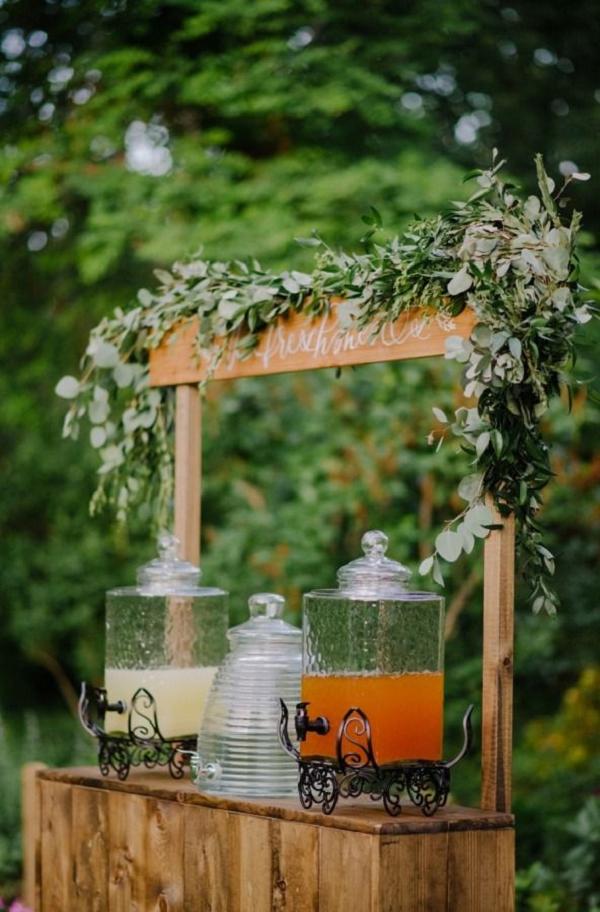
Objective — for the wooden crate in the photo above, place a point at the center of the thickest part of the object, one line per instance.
(151, 843)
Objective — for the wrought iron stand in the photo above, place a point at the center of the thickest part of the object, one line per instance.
(322, 780)
(142, 743)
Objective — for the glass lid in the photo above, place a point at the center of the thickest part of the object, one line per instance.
(265, 624)
(167, 571)
(373, 574)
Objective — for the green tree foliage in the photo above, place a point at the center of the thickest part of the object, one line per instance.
(132, 134)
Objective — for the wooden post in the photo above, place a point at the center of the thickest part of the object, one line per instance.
(187, 470)
(30, 832)
(497, 689)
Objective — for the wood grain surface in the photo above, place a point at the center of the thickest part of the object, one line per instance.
(188, 468)
(298, 343)
(361, 816)
(31, 800)
(153, 848)
(497, 685)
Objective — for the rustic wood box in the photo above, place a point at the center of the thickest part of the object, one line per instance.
(151, 843)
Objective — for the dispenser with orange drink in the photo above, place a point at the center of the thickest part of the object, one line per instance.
(373, 645)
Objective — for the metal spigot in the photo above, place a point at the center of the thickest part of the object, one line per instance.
(304, 724)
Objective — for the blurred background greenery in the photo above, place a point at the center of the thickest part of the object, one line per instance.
(134, 133)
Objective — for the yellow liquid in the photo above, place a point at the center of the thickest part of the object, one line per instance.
(180, 695)
(405, 712)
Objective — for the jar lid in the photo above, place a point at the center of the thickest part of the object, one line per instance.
(374, 574)
(168, 571)
(266, 624)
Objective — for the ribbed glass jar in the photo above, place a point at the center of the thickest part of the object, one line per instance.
(238, 746)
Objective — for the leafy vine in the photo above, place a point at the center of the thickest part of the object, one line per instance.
(511, 260)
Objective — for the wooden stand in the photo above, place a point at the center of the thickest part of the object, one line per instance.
(154, 844)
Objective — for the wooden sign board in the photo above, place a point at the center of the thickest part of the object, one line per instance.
(298, 342)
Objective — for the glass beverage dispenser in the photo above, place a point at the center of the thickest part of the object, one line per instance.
(166, 635)
(238, 747)
(374, 645)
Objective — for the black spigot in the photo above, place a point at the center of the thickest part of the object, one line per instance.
(104, 706)
(304, 724)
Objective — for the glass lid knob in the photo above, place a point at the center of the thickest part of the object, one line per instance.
(168, 546)
(374, 573)
(268, 604)
(374, 543)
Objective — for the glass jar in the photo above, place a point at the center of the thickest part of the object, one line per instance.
(167, 635)
(374, 645)
(238, 745)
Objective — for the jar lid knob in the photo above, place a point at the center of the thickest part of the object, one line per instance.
(168, 546)
(268, 604)
(374, 574)
(374, 543)
(168, 571)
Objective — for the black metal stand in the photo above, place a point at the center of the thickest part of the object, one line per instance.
(322, 781)
(142, 743)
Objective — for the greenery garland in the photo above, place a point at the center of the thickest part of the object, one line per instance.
(512, 260)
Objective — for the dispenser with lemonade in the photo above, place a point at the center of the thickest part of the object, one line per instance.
(374, 645)
(166, 635)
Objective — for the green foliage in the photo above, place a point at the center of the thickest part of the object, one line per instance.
(512, 261)
(575, 885)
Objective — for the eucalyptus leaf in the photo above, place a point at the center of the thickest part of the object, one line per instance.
(67, 387)
(470, 486)
(448, 545)
(467, 538)
(460, 282)
(145, 298)
(104, 354)
(98, 411)
(97, 437)
(482, 335)
(227, 308)
(290, 284)
(515, 347)
(477, 518)
(437, 574)
(123, 375)
(426, 565)
(482, 443)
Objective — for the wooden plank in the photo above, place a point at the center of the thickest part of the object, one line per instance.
(90, 849)
(298, 343)
(250, 872)
(31, 800)
(236, 862)
(413, 874)
(127, 853)
(187, 471)
(295, 867)
(497, 689)
(207, 860)
(480, 873)
(348, 871)
(361, 815)
(164, 862)
(57, 848)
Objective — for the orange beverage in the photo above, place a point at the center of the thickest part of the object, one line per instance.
(405, 712)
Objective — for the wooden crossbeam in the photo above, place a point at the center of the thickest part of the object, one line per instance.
(298, 343)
